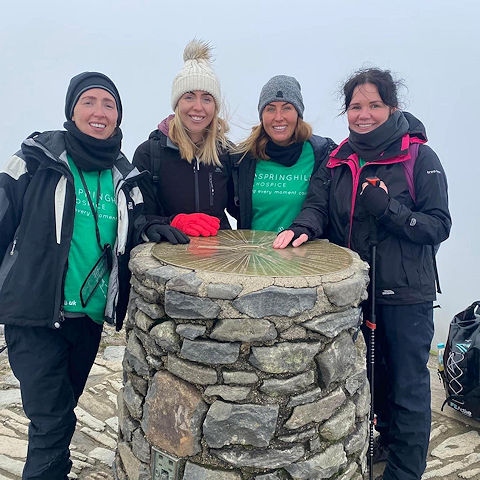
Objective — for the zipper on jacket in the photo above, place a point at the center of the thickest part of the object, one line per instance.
(14, 244)
(61, 318)
(211, 188)
(196, 168)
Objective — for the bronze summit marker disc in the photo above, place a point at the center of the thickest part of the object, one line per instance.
(250, 252)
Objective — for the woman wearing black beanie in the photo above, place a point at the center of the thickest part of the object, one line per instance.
(69, 203)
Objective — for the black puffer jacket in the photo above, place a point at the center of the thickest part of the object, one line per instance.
(180, 186)
(37, 207)
(406, 232)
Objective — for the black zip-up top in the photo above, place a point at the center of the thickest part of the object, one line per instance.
(37, 208)
(175, 185)
(407, 230)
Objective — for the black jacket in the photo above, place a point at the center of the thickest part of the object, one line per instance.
(245, 173)
(36, 224)
(176, 186)
(406, 232)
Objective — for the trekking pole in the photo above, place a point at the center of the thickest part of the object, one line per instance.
(372, 325)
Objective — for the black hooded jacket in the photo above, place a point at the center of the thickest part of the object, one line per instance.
(176, 186)
(406, 232)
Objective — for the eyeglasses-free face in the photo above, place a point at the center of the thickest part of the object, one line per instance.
(196, 110)
(96, 113)
(367, 111)
(279, 120)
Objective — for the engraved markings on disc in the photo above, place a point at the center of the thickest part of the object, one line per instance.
(250, 252)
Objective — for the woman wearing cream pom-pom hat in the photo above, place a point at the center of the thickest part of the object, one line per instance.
(188, 157)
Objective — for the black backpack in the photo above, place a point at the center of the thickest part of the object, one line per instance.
(461, 374)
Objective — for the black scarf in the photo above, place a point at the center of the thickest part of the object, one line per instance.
(90, 153)
(286, 156)
(369, 146)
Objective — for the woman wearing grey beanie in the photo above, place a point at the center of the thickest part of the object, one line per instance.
(275, 163)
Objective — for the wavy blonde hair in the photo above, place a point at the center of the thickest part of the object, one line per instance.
(197, 74)
(207, 150)
(256, 142)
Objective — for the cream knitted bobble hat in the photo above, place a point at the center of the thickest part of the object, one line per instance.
(196, 74)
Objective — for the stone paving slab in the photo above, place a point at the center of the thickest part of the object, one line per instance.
(454, 451)
(454, 444)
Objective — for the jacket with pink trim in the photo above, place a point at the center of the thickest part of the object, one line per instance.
(406, 231)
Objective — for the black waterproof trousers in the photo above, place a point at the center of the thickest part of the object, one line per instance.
(402, 393)
(52, 367)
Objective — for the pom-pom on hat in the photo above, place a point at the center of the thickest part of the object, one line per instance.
(281, 88)
(85, 81)
(196, 74)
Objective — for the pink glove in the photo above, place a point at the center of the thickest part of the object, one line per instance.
(196, 224)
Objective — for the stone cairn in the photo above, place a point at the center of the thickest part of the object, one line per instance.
(243, 377)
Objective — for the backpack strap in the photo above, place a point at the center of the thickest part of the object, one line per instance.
(408, 166)
(156, 151)
(469, 313)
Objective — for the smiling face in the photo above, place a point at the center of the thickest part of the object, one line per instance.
(96, 114)
(367, 111)
(279, 121)
(196, 110)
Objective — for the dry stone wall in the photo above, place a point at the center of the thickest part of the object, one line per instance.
(242, 377)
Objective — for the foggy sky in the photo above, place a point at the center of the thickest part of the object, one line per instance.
(432, 45)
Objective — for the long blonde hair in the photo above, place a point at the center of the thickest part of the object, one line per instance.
(256, 143)
(207, 150)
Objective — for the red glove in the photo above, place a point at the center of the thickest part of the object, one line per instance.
(196, 224)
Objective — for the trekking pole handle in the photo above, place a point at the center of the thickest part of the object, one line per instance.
(374, 181)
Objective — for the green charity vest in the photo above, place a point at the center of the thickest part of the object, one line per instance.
(84, 249)
(279, 191)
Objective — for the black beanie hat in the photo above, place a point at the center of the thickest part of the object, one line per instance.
(85, 81)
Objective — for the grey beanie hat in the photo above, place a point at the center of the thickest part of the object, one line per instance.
(281, 88)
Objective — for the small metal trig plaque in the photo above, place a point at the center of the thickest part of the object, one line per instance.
(164, 466)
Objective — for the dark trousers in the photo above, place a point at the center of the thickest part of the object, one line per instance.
(52, 367)
(402, 397)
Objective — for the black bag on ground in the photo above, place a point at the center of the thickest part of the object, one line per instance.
(461, 375)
